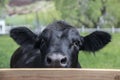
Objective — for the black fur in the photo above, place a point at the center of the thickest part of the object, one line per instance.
(23, 36)
(58, 39)
(95, 41)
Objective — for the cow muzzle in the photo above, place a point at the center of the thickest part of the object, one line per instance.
(56, 60)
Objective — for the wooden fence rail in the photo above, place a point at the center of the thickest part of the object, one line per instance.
(59, 74)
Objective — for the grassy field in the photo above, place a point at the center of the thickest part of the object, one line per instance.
(109, 57)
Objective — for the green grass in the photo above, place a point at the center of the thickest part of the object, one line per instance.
(7, 47)
(108, 57)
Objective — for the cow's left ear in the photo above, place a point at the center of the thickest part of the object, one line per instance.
(23, 36)
(95, 41)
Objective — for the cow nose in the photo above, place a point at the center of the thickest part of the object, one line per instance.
(56, 60)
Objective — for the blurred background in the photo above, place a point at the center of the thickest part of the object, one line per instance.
(86, 15)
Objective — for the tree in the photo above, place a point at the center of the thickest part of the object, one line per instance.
(90, 13)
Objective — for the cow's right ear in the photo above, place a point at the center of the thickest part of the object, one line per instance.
(95, 41)
(23, 36)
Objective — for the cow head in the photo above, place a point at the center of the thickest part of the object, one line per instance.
(60, 43)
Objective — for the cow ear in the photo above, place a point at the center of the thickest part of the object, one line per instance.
(23, 36)
(95, 41)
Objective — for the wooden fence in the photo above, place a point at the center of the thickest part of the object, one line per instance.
(110, 30)
(59, 74)
(81, 30)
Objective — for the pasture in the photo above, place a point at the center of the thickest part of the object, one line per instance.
(109, 57)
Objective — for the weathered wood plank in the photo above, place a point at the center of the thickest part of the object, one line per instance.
(59, 74)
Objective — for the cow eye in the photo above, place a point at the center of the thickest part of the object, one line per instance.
(43, 43)
(75, 44)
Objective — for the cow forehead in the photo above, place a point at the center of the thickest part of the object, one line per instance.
(59, 30)
(64, 33)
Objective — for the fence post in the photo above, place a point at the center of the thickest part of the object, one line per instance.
(83, 28)
(2, 24)
(113, 29)
(98, 27)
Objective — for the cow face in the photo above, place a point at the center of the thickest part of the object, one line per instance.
(60, 43)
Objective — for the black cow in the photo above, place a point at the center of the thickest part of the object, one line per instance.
(57, 46)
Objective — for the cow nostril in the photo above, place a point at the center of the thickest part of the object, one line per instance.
(49, 61)
(64, 60)
(56, 60)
